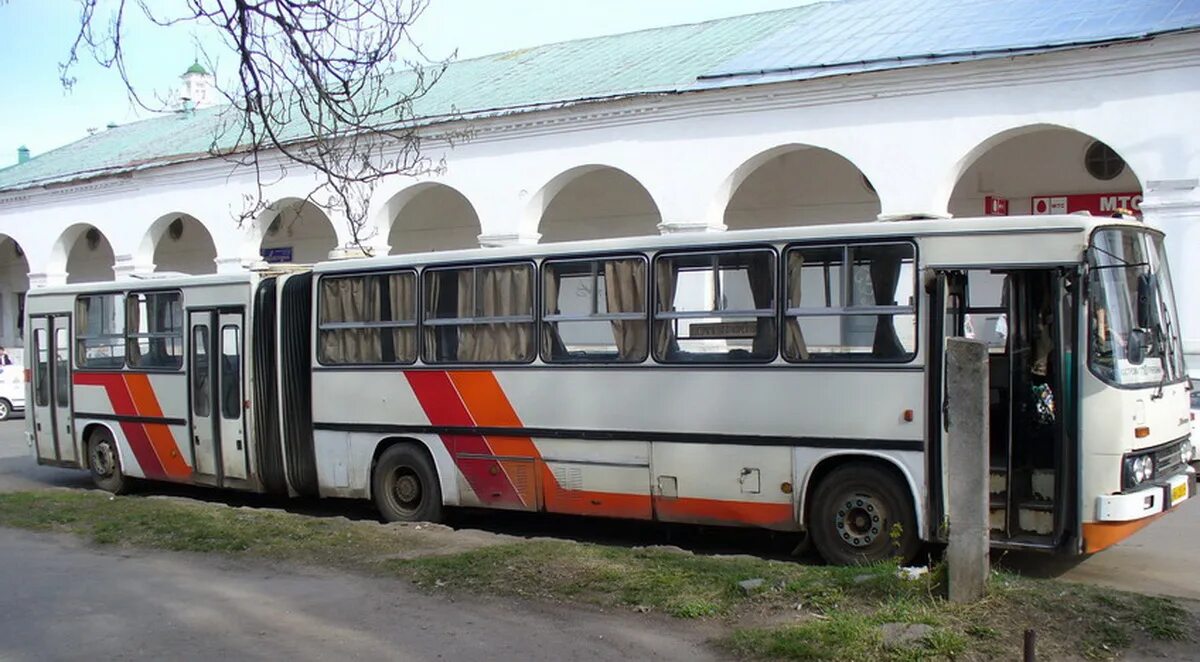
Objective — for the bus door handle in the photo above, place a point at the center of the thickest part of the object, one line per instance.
(197, 438)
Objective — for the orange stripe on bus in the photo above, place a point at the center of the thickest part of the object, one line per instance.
(715, 511)
(490, 408)
(1102, 535)
(161, 438)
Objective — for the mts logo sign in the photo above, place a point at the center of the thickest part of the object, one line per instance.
(1100, 204)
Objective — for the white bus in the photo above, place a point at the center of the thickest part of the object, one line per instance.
(790, 379)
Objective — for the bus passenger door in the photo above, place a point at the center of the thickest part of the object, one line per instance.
(41, 409)
(202, 375)
(64, 422)
(231, 426)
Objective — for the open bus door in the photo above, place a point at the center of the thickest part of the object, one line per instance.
(1028, 318)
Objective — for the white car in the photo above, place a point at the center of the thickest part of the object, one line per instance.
(12, 391)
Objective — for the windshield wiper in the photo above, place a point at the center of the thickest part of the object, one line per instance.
(1118, 258)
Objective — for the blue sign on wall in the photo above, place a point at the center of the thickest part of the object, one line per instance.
(281, 254)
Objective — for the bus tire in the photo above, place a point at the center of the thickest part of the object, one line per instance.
(862, 514)
(105, 463)
(5, 409)
(405, 486)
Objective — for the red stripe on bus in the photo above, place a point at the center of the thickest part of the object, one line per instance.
(159, 435)
(443, 406)
(122, 405)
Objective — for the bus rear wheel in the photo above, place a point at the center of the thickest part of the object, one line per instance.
(405, 486)
(105, 463)
(862, 514)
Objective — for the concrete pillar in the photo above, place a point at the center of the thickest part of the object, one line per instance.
(967, 467)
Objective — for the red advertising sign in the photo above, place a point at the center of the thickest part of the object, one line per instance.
(1099, 204)
(995, 206)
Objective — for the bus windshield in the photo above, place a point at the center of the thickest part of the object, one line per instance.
(1133, 327)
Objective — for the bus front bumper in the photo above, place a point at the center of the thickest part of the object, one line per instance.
(1160, 496)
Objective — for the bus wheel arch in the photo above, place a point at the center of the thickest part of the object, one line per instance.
(404, 481)
(885, 484)
(102, 458)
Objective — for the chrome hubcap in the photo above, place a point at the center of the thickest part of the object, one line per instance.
(860, 520)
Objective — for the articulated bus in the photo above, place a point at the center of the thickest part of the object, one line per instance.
(790, 379)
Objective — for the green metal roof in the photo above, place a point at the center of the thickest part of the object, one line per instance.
(828, 38)
(196, 68)
(650, 61)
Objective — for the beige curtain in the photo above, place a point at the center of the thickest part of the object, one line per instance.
(498, 292)
(402, 295)
(625, 292)
(351, 300)
(665, 283)
(793, 338)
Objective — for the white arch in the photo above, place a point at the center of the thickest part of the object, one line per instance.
(535, 209)
(964, 162)
(389, 214)
(60, 254)
(279, 216)
(152, 240)
(728, 188)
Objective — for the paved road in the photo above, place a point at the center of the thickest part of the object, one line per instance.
(64, 601)
(1162, 558)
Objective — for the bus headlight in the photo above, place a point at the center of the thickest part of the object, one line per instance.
(1187, 452)
(1138, 469)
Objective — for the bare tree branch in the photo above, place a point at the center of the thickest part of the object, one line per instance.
(316, 84)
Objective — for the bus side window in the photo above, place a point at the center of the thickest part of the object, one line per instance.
(851, 303)
(594, 311)
(715, 307)
(201, 372)
(42, 351)
(480, 314)
(231, 373)
(62, 377)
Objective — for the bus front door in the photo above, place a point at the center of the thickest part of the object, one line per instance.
(1026, 318)
(218, 415)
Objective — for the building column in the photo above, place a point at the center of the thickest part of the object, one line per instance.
(1173, 206)
(47, 279)
(509, 239)
(230, 265)
(130, 266)
(690, 225)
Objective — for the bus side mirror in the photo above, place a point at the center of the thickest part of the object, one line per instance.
(1147, 303)
(1136, 350)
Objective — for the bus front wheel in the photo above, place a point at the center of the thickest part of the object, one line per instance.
(863, 514)
(405, 486)
(105, 463)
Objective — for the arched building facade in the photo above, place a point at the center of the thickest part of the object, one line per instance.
(1048, 129)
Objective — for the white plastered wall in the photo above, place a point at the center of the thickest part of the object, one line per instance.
(913, 133)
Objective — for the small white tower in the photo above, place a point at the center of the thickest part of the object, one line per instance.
(199, 88)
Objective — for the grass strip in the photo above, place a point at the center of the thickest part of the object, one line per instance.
(797, 612)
